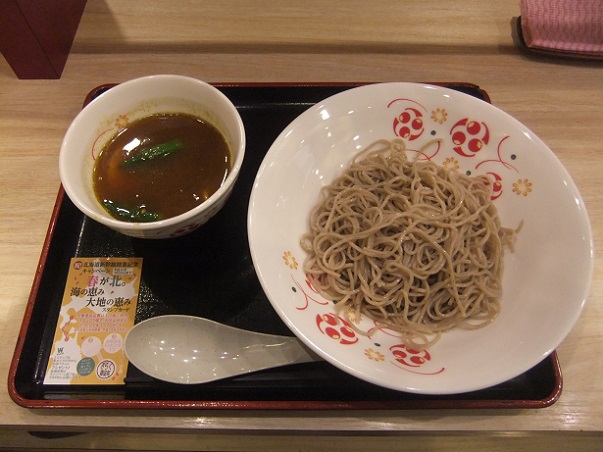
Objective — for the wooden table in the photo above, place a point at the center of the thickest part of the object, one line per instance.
(295, 41)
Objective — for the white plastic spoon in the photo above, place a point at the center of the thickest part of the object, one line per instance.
(190, 350)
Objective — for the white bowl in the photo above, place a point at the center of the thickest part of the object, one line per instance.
(546, 280)
(98, 122)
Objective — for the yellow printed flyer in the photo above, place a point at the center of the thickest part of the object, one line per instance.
(97, 311)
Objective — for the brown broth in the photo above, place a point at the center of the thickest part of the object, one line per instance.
(166, 186)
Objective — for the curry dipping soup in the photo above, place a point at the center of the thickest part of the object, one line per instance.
(160, 166)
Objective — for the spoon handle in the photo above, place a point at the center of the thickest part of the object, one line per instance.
(274, 351)
(303, 353)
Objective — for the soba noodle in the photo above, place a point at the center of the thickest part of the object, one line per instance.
(413, 246)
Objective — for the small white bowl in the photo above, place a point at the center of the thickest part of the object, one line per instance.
(98, 122)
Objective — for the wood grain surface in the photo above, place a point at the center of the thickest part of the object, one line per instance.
(295, 41)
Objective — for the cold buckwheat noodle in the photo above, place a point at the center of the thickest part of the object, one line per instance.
(411, 245)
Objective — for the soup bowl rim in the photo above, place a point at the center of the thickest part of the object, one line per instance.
(76, 190)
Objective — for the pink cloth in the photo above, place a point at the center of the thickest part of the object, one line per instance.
(567, 25)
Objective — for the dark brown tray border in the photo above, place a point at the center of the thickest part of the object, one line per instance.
(242, 404)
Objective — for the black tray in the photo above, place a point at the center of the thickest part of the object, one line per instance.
(210, 273)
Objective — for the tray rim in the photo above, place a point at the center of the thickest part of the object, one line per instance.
(430, 404)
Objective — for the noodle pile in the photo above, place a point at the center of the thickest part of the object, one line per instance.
(413, 246)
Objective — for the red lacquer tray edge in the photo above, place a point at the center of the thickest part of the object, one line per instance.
(12, 374)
